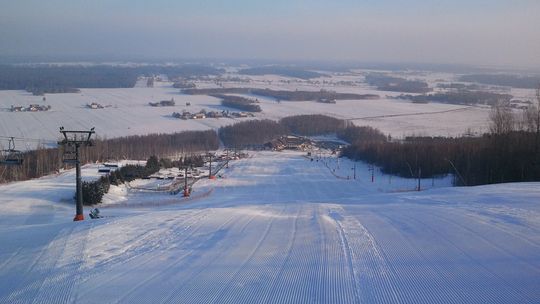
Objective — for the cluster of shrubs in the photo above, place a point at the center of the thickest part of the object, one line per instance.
(93, 191)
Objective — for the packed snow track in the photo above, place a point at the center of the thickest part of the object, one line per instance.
(277, 228)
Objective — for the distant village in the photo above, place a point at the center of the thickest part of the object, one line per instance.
(210, 114)
(31, 108)
(95, 105)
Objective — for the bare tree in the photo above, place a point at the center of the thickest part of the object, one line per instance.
(537, 112)
(502, 120)
(536, 126)
(531, 115)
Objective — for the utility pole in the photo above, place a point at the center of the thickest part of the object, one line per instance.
(419, 177)
(72, 141)
(372, 169)
(227, 163)
(186, 190)
(457, 172)
(210, 176)
(354, 171)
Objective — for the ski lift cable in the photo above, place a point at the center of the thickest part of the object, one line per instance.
(28, 139)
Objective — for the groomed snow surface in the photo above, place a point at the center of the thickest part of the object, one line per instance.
(277, 228)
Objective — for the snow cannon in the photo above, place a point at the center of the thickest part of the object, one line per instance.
(78, 217)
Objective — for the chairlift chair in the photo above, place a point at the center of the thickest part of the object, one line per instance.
(10, 156)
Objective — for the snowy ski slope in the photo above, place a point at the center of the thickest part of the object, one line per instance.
(277, 228)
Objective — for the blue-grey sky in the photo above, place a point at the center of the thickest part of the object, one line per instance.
(486, 32)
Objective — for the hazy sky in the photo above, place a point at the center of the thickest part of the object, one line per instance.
(494, 32)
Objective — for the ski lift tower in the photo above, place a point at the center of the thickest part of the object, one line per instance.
(72, 141)
(210, 175)
(186, 189)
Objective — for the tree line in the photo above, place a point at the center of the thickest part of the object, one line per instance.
(251, 133)
(284, 95)
(492, 158)
(287, 71)
(255, 133)
(42, 161)
(465, 97)
(510, 152)
(396, 84)
(238, 102)
(516, 81)
(40, 79)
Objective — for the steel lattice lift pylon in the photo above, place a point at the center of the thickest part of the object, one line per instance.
(72, 141)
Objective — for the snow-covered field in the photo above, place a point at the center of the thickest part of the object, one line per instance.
(278, 228)
(127, 111)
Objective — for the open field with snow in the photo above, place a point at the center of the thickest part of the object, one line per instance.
(127, 111)
(277, 228)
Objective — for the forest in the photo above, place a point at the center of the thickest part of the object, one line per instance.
(43, 161)
(396, 84)
(41, 79)
(310, 125)
(458, 86)
(251, 133)
(510, 152)
(523, 82)
(462, 97)
(255, 133)
(284, 95)
(238, 102)
(286, 71)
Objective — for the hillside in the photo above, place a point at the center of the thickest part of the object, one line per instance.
(276, 228)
